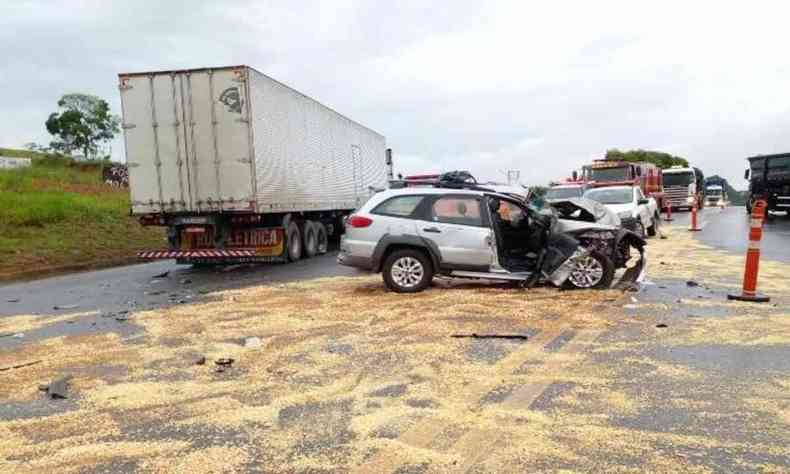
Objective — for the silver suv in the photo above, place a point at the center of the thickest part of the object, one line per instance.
(413, 234)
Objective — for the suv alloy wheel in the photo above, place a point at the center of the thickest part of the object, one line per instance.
(407, 271)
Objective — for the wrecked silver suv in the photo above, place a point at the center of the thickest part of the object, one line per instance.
(413, 234)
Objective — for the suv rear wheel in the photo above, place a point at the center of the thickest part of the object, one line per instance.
(593, 271)
(407, 271)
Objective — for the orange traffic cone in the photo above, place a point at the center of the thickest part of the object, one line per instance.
(749, 292)
(694, 224)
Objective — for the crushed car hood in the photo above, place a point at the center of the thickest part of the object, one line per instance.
(581, 213)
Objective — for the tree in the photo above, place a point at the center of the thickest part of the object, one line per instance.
(658, 158)
(82, 123)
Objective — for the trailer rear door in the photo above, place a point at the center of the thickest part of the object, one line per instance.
(188, 141)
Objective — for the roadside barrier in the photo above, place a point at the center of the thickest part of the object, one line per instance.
(749, 292)
(668, 206)
(694, 224)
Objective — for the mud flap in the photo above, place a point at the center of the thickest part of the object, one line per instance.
(557, 261)
(561, 274)
(633, 276)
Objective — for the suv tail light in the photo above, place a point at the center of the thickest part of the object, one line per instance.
(359, 221)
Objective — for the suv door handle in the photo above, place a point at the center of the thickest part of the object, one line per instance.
(435, 230)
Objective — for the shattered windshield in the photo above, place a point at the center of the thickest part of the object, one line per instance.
(611, 195)
(564, 193)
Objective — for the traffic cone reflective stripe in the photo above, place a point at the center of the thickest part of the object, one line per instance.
(751, 270)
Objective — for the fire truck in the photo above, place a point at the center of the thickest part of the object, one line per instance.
(623, 173)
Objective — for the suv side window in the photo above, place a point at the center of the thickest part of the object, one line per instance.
(461, 210)
(399, 206)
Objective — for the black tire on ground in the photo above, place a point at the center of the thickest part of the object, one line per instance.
(293, 242)
(310, 239)
(653, 229)
(321, 238)
(602, 262)
(407, 271)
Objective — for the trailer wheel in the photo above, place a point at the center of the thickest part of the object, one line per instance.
(310, 239)
(321, 238)
(293, 242)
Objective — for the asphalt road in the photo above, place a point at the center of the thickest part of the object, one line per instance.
(136, 287)
(728, 229)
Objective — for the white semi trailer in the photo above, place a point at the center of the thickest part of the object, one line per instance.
(240, 167)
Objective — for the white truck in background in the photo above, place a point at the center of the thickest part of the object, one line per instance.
(240, 167)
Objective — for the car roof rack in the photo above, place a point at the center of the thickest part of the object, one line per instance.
(449, 180)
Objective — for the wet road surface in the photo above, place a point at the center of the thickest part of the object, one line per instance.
(728, 229)
(136, 287)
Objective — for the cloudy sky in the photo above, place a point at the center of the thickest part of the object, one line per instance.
(541, 87)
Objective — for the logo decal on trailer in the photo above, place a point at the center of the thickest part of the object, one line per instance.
(232, 99)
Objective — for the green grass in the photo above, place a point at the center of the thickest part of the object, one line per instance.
(58, 213)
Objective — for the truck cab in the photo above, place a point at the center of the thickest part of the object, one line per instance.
(684, 186)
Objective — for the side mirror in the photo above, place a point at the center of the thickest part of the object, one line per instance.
(643, 201)
(746, 174)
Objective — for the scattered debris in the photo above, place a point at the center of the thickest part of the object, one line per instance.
(491, 336)
(204, 291)
(13, 300)
(186, 281)
(162, 275)
(121, 317)
(630, 306)
(181, 301)
(252, 342)
(19, 335)
(19, 366)
(692, 284)
(66, 306)
(58, 388)
(661, 325)
(154, 293)
(43, 387)
(6, 334)
(634, 300)
(201, 361)
(224, 362)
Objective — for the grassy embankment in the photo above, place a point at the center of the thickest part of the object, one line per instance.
(58, 215)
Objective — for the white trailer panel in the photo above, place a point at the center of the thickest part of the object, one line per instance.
(233, 139)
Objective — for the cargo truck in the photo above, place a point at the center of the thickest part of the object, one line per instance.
(240, 167)
(769, 179)
(716, 191)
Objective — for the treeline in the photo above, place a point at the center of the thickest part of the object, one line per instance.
(658, 158)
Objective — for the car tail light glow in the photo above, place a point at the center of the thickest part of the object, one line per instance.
(359, 221)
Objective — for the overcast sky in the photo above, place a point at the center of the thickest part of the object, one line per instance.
(541, 87)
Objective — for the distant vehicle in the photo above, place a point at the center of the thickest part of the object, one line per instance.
(769, 177)
(636, 212)
(242, 168)
(565, 191)
(684, 186)
(469, 232)
(646, 176)
(716, 192)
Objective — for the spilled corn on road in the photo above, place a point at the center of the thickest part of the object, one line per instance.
(351, 378)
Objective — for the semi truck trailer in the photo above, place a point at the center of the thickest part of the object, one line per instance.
(241, 168)
(769, 179)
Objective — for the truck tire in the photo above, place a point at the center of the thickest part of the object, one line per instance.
(596, 271)
(293, 242)
(321, 238)
(310, 239)
(407, 271)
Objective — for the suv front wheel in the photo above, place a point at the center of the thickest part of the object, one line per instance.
(407, 271)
